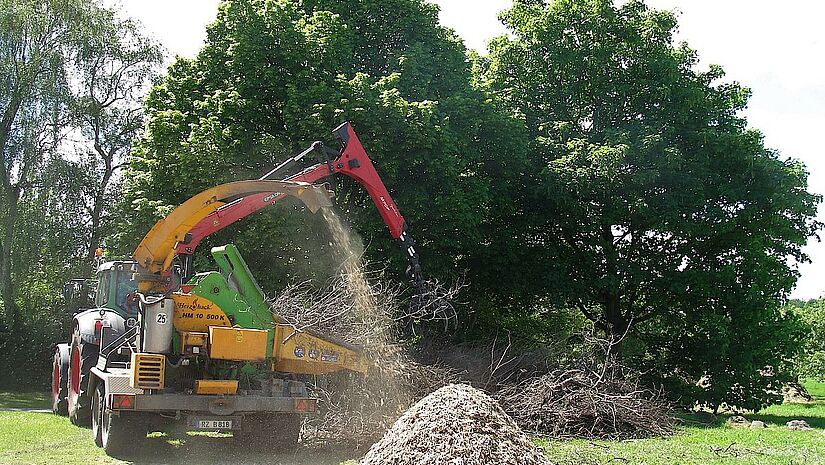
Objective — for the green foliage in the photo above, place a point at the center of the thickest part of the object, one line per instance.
(811, 362)
(585, 169)
(48, 252)
(658, 213)
(69, 68)
(276, 75)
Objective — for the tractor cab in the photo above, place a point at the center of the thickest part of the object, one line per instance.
(115, 283)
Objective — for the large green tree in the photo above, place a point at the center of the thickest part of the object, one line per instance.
(72, 76)
(35, 39)
(658, 213)
(115, 68)
(811, 361)
(274, 76)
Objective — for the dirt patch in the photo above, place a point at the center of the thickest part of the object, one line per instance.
(456, 424)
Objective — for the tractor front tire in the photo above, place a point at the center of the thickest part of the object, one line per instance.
(116, 432)
(98, 405)
(60, 386)
(82, 357)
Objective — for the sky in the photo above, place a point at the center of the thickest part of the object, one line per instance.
(775, 48)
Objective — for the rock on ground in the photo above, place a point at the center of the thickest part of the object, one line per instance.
(455, 425)
(798, 425)
(795, 393)
(758, 424)
(738, 420)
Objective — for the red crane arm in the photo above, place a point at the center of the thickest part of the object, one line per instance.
(352, 161)
(355, 163)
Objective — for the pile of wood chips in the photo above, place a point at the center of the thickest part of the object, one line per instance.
(455, 425)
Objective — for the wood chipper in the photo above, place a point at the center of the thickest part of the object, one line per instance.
(164, 344)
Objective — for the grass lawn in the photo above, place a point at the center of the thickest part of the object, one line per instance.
(710, 445)
(28, 438)
(25, 400)
(44, 438)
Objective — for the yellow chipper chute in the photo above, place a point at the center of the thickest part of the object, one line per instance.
(311, 353)
(300, 352)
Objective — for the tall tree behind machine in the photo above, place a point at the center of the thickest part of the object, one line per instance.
(659, 214)
(69, 70)
(36, 39)
(274, 76)
(116, 68)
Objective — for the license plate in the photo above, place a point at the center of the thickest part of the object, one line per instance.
(214, 424)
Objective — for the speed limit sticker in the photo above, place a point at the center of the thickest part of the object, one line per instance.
(161, 318)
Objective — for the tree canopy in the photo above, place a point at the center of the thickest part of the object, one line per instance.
(659, 208)
(72, 75)
(811, 361)
(586, 170)
(276, 75)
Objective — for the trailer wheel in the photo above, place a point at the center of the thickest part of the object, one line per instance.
(118, 431)
(60, 387)
(82, 357)
(273, 432)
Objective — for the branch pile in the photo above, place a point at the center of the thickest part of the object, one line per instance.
(355, 407)
(456, 424)
(583, 402)
(366, 311)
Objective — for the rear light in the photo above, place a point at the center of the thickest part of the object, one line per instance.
(123, 401)
(99, 325)
(305, 405)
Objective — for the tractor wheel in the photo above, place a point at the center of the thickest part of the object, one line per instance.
(273, 432)
(118, 432)
(60, 387)
(98, 404)
(82, 357)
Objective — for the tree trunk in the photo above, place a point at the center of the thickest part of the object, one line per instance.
(617, 324)
(7, 290)
(615, 319)
(94, 233)
(97, 209)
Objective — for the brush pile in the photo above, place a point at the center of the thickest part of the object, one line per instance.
(596, 399)
(363, 310)
(587, 403)
(454, 425)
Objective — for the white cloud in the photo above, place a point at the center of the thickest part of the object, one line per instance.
(180, 25)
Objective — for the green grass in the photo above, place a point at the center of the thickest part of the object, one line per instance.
(712, 445)
(44, 438)
(25, 400)
(29, 438)
(816, 389)
(33, 438)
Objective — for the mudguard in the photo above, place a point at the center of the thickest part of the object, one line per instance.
(86, 319)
